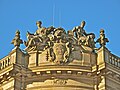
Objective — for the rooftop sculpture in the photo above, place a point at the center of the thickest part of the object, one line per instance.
(102, 40)
(59, 45)
(17, 41)
(56, 59)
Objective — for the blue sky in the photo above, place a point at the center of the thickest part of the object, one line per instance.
(23, 14)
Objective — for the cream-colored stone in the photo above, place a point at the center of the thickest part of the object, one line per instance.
(55, 60)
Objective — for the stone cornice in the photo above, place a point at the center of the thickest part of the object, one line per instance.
(113, 75)
(60, 67)
(7, 69)
(112, 68)
(70, 86)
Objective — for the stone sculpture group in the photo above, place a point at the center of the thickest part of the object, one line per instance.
(61, 47)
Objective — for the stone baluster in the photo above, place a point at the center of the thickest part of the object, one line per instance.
(110, 59)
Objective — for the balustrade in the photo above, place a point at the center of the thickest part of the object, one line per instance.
(4, 62)
(114, 60)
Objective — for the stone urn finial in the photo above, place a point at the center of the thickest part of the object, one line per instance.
(102, 40)
(17, 41)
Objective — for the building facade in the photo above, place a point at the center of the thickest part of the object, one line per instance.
(58, 60)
